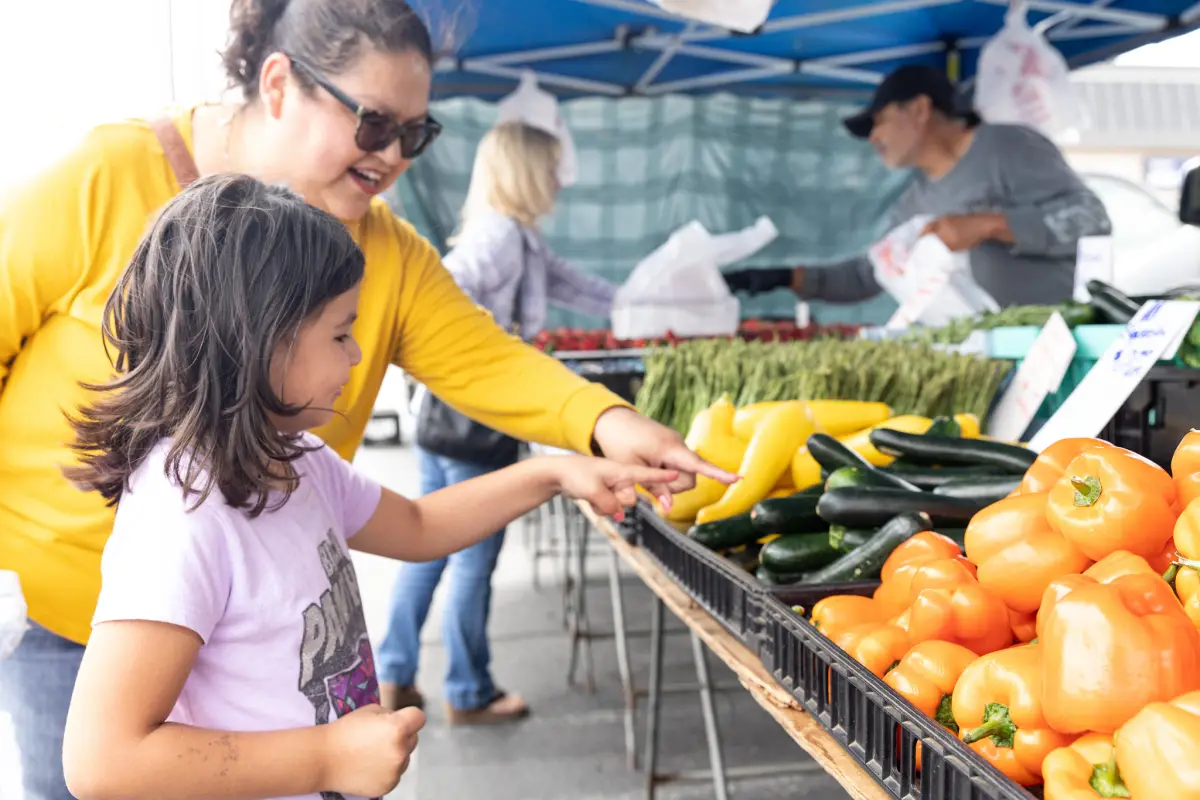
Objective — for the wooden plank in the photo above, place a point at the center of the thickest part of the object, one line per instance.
(762, 686)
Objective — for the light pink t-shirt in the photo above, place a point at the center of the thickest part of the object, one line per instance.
(275, 599)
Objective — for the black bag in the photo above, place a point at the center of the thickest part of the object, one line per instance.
(445, 432)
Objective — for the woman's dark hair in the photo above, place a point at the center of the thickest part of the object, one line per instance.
(229, 270)
(330, 35)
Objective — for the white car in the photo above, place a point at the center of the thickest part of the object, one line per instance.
(1152, 250)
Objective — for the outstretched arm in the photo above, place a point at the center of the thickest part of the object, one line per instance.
(458, 516)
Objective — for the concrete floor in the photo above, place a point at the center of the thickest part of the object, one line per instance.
(572, 744)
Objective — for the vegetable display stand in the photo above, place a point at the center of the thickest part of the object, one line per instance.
(1159, 413)
(619, 371)
(877, 727)
(722, 588)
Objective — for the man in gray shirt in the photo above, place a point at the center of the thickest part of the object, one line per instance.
(1002, 193)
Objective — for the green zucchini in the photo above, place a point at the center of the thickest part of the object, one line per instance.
(747, 558)
(858, 507)
(865, 562)
(770, 578)
(846, 539)
(1118, 307)
(933, 477)
(986, 490)
(785, 515)
(799, 552)
(948, 451)
(944, 426)
(722, 534)
(812, 491)
(833, 455)
(842, 477)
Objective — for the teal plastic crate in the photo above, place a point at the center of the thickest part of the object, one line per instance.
(1012, 344)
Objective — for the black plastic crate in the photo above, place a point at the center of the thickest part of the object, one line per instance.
(1159, 413)
(722, 588)
(878, 727)
(620, 371)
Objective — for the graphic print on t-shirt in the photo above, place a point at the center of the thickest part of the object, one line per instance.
(337, 667)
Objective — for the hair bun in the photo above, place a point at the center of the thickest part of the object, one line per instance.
(252, 25)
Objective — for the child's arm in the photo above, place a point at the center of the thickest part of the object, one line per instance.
(458, 516)
(118, 745)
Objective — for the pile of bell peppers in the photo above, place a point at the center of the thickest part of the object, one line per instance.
(1062, 643)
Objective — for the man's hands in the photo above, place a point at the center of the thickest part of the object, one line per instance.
(626, 436)
(962, 232)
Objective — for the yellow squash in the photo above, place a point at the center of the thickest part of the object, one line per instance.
(711, 436)
(768, 454)
(685, 505)
(835, 417)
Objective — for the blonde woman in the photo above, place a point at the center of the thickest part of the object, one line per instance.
(500, 260)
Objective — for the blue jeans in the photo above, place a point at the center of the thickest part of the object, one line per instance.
(464, 623)
(35, 690)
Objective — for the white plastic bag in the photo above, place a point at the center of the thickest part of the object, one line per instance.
(1022, 79)
(739, 15)
(679, 287)
(932, 285)
(13, 613)
(538, 108)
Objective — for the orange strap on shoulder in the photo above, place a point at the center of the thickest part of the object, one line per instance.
(176, 151)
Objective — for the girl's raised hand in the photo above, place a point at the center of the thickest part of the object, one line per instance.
(610, 487)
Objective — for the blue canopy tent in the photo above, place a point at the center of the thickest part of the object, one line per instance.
(618, 48)
(677, 120)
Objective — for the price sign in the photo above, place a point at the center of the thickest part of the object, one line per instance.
(1155, 333)
(1040, 373)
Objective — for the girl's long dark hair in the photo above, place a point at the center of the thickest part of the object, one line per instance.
(229, 270)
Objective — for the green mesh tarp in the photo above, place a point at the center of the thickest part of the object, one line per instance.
(647, 166)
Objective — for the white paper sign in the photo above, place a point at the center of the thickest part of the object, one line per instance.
(1156, 332)
(1093, 261)
(1040, 373)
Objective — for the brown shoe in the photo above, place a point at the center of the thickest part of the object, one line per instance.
(393, 697)
(504, 708)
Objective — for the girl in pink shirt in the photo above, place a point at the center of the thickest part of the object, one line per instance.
(229, 656)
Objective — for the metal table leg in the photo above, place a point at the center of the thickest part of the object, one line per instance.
(654, 706)
(623, 664)
(711, 732)
(580, 625)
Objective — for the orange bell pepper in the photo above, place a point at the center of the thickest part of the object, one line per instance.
(878, 646)
(1052, 462)
(947, 603)
(1017, 551)
(895, 589)
(1186, 536)
(1024, 626)
(1187, 589)
(998, 710)
(1185, 467)
(1086, 769)
(839, 612)
(1156, 750)
(926, 677)
(1109, 649)
(1112, 499)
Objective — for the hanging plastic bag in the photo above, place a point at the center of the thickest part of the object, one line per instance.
(739, 15)
(13, 613)
(1023, 79)
(537, 108)
(932, 285)
(679, 287)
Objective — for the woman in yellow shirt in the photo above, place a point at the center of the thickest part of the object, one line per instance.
(336, 106)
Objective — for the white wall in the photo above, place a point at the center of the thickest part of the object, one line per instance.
(69, 64)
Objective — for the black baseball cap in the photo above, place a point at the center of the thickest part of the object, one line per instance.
(908, 83)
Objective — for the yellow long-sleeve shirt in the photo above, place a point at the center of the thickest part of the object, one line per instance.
(64, 240)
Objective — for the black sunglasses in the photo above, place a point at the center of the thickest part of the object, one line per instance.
(376, 131)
